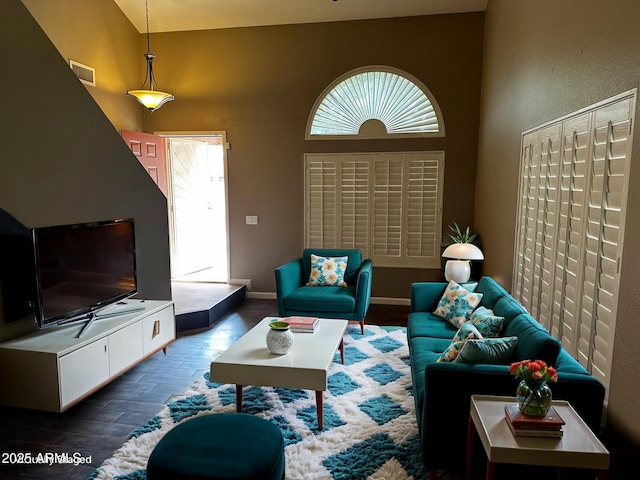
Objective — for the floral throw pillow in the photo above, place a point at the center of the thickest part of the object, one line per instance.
(466, 332)
(486, 322)
(456, 304)
(327, 271)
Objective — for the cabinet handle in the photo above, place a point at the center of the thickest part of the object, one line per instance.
(156, 328)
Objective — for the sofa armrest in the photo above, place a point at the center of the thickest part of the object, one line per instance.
(363, 288)
(426, 295)
(288, 278)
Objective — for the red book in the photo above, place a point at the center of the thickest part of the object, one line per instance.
(520, 421)
(301, 324)
(535, 432)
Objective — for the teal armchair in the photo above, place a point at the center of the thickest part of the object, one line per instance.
(350, 302)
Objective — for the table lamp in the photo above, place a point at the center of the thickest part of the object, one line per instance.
(458, 266)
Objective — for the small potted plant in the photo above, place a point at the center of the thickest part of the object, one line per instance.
(457, 253)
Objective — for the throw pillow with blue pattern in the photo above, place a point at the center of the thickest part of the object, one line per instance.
(487, 322)
(456, 304)
(466, 332)
(327, 271)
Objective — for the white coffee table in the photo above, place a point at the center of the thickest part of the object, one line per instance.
(305, 366)
(577, 448)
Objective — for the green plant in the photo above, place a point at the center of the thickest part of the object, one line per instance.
(458, 236)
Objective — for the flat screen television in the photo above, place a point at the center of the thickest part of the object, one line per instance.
(81, 268)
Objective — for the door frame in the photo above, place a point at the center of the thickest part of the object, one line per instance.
(225, 147)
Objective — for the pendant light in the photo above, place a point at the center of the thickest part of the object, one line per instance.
(150, 98)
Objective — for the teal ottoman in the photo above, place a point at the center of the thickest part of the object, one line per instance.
(230, 446)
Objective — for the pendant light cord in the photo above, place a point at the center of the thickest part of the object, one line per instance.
(146, 8)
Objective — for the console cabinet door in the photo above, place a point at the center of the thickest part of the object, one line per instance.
(159, 330)
(83, 370)
(125, 348)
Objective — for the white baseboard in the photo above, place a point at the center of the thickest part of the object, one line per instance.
(374, 300)
(262, 295)
(390, 301)
(241, 281)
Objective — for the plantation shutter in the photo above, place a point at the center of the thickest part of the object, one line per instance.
(322, 202)
(424, 200)
(604, 234)
(388, 205)
(388, 187)
(573, 184)
(354, 200)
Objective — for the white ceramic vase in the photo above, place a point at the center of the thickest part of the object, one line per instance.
(279, 338)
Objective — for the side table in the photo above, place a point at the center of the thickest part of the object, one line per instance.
(577, 448)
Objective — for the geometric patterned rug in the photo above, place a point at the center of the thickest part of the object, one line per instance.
(370, 429)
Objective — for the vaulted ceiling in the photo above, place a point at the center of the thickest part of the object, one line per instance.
(180, 15)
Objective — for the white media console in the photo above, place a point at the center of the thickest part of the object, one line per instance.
(54, 368)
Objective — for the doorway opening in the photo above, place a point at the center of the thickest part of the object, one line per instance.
(198, 224)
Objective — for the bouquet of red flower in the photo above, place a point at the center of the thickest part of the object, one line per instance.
(533, 373)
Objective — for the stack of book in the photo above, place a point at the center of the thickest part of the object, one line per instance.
(522, 425)
(302, 324)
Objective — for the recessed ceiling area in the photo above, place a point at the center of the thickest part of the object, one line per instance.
(181, 15)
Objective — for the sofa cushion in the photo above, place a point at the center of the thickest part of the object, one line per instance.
(488, 350)
(423, 351)
(325, 299)
(534, 342)
(491, 291)
(488, 324)
(327, 271)
(466, 332)
(508, 308)
(423, 324)
(456, 304)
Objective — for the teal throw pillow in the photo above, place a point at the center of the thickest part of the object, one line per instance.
(466, 332)
(470, 286)
(488, 324)
(327, 271)
(456, 304)
(488, 350)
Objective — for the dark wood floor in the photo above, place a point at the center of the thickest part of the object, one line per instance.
(100, 424)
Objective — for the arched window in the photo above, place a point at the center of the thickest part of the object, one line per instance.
(375, 102)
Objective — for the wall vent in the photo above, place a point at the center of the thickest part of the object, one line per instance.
(85, 73)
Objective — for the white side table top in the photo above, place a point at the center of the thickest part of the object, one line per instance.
(578, 447)
(249, 362)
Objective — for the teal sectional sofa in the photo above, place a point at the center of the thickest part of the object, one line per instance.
(442, 390)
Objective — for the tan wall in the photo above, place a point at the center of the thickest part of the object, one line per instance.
(259, 84)
(97, 33)
(62, 161)
(542, 60)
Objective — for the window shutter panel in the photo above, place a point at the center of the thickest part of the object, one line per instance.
(603, 246)
(547, 221)
(321, 201)
(575, 186)
(424, 215)
(388, 184)
(354, 195)
(526, 234)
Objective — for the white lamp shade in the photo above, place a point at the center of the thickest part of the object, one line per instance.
(463, 251)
